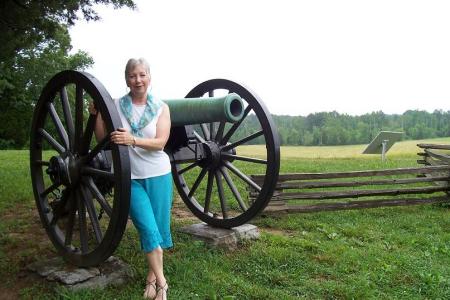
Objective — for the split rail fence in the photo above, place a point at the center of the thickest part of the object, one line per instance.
(310, 192)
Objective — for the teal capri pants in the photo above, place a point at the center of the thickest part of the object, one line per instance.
(150, 204)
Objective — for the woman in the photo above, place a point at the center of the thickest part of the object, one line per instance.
(146, 128)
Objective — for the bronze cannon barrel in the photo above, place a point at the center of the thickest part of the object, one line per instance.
(189, 111)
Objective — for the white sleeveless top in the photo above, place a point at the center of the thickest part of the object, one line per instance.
(145, 163)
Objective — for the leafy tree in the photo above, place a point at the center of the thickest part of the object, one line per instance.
(32, 70)
(35, 44)
(27, 23)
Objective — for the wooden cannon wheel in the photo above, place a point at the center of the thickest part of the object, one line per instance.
(215, 186)
(81, 186)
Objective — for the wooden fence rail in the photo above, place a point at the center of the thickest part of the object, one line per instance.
(306, 192)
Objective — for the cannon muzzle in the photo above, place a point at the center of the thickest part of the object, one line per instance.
(189, 111)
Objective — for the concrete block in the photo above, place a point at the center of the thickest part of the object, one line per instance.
(228, 239)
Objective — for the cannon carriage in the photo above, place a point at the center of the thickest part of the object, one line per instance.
(82, 186)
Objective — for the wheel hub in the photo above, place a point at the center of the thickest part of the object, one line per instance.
(57, 171)
(212, 155)
(64, 171)
(74, 170)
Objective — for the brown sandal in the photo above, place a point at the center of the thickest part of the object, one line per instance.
(163, 290)
(150, 291)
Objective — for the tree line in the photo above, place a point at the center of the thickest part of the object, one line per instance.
(332, 128)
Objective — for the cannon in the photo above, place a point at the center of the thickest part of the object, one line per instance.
(82, 186)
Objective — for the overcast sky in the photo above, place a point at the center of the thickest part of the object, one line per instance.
(300, 57)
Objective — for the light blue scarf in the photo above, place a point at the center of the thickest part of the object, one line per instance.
(151, 109)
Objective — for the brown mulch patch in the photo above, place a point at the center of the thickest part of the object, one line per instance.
(23, 242)
(181, 213)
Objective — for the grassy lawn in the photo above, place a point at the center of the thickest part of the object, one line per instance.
(387, 253)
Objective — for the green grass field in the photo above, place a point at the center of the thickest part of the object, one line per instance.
(399, 149)
(387, 253)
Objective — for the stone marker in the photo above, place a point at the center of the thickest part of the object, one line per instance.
(228, 239)
(112, 272)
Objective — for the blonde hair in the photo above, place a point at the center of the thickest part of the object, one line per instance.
(133, 62)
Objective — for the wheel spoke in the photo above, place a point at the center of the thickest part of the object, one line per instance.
(50, 189)
(61, 205)
(205, 131)
(191, 166)
(93, 171)
(99, 147)
(235, 126)
(233, 188)
(244, 158)
(98, 195)
(70, 220)
(198, 137)
(58, 124)
(223, 204)
(197, 182)
(242, 141)
(78, 117)
(212, 129)
(208, 192)
(92, 214)
(42, 163)
(219, 133)
(82, 224)
(67, 116)
(57, 146)
(242, 175)
(55, 218)
(88, 132)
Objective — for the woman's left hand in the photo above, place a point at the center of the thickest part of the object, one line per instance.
(123, 137)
